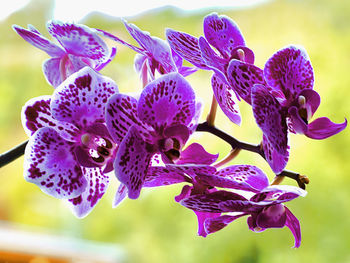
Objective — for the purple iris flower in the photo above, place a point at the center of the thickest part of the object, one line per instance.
(69, 147)
(265, 207)
(286, 103)
(228, 61)
(160, 121)
(80, 46)
(154, 54)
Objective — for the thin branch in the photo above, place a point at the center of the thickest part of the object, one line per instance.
(13, 154)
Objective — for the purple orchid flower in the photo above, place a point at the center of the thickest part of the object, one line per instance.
(69, 147)
(286, 103)
(160, 121)
(225, 36)
(154, 54)
(265, 208)
(80, 46)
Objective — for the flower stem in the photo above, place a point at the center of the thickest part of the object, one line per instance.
(236, 144)
(233, 153)
(13, 154)
(212, 113)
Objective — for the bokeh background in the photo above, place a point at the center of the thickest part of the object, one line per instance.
(155, 228)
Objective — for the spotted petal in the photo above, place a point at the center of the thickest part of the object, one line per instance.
(39, 41)
(121, 114)
(271, 118)
(79, 40)
(36, 114)
(120, 195)
(132, 161)
(225, 98)
(51, 69)
(276, 160)
(160, 176)
(186, 46)
(97, 184)
(290, 71)
(167, 101)
(222, 33)
(196, 154)
(49, 162)
(81, 98)
(155, 47)
(212, 225)
(273, 216)
(293, 224)
(242, 77)
(242, 177)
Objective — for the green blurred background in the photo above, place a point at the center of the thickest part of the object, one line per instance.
(155, 228)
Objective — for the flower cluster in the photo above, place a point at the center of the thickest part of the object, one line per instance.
(86, 130)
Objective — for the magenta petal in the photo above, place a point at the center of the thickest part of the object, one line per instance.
(167, 101)
(156, 47)
(202, 217)
(276, 194)
(132, 161)
(298, 124)
(196, 154)
(214, 224)
(120, 195)
(97, 184)
(273, 216)
(49, 162)
(312, 101)
(51, 69)
(186, 46)
(79, 40)
(222, 33)
(121, 114)
(211, 58)
(242, 76)
(192, 169)
(248, 54)
(323, 128)
(108, 59)
(81, 98)
(276, 160)
(39, 41)
(243, 177)
(225, 98)
(36, 114)
(211, 202)
(271, 118)
(160, 176)
(290, 71)
(293, 224)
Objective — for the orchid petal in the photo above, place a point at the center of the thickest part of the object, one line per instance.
(132, 161)
(121, 114)
(36, 114)
(161, 176)
(196, 154)
(278, 194)
(193, 170)
(167, 101)
(156, 47)
(243, 177)
(79, 40)
(273, 216)
(186, 46)
(39, 41)
(51, 69)
(222, 33)
(270, 117)
(49, 162)
(298, 124)
(97, 184)
(120, 195)
(202, 218)
(211, 202)
(212, 225)
(110, 57)
(225, 98)
(247, 52)
(242, 76)
(323, 128)
(210, 57)
(276, 160)
(81, 98)
(293, 224)
(312, 101)
(290, 71)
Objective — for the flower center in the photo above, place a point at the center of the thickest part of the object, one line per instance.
(303, 112)
(171, 148)
(99, 148)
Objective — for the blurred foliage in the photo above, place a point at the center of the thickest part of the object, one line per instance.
(155, 228)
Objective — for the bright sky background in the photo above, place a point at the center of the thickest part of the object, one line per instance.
(74, 10)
